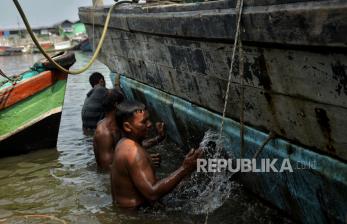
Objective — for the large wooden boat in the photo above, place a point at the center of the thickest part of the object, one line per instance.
(8, 51)
(30, 107)
(176, 58)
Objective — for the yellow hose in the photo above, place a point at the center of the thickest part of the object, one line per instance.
(97, 50)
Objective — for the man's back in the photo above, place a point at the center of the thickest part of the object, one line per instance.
(104, 142)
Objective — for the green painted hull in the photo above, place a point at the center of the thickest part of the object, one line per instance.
(315, 192)
(32, 111)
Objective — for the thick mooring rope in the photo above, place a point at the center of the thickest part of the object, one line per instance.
(97, 50)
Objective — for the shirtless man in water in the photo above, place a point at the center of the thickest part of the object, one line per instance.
(107, 133)
(133, 179)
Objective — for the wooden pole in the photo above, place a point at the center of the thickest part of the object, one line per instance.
(98, 3)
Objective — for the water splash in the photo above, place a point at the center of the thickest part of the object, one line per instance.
(204, 192)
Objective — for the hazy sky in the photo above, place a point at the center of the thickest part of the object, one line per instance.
(41, 12)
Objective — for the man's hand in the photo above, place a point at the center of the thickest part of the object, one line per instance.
(161, 130)
(149, 142)
(189, 161)
(156, 159)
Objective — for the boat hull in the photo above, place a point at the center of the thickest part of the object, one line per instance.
(30, 113)
(177, 58)
(313, 193)
(294, 77)
(41, 135)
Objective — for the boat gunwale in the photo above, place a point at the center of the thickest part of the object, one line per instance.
(31, 86)
(272, 30)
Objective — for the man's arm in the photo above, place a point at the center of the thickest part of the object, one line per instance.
(143, 177)
(103, 148)
(149, 142)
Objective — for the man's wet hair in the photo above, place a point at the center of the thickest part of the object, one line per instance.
(126, 110)
(111, 100)
(94, 78)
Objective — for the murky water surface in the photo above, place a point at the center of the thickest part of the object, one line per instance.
(57, 185)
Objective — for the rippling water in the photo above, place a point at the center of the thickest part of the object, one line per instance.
(64, 183)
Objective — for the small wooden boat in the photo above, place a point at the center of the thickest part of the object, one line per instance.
(83, 45)
(47, 45)
(7, 50)
(30, 107)
(58, 46)
(3, 51)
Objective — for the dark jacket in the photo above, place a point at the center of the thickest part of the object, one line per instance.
(92, 110)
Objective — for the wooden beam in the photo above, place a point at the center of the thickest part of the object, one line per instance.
(98, 3)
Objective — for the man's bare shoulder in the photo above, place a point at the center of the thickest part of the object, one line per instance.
(102, 131)
(129, 149)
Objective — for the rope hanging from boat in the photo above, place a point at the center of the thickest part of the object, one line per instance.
(238, 42)
(237, 39)
(93, 30)
(272, 135)
(242, 100)
(97, 50)
(6, 77)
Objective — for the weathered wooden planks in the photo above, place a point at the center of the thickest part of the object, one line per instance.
(299, 92)
(309, 23)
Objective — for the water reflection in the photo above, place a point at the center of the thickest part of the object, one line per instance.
(13, 65)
